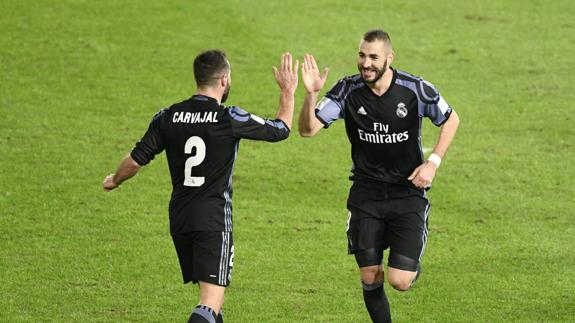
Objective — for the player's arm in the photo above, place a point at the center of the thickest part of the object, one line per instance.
(423, 175)
(127, 169)
(287, 80)
(249, 126)
(313, 81)
(145, 150)
(446, 135)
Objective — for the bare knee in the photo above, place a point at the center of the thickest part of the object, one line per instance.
(371, 274)
(401, 285)
(401, 280)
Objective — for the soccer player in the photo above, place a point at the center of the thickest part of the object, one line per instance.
(201, 138)
(383, 110)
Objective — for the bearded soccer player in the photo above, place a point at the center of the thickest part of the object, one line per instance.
(201, 138)
(383, 109)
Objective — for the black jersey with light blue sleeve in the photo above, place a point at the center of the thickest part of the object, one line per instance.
(384, 131)
(201, 139)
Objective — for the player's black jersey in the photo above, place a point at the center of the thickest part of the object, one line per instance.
(201, 140)
(384, 131)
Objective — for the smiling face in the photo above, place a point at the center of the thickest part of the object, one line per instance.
(373, 60)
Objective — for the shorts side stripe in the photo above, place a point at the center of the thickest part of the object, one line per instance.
(425, 231)
(227, 259)
(222, 252)
(224, 258)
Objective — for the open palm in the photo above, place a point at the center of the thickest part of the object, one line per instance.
(286, 75)
(312, 79)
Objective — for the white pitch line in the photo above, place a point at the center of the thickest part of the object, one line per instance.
(426, 150)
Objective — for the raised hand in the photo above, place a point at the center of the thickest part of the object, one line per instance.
(286, 76)
(313, 81)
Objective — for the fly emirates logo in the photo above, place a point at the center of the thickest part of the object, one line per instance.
(381, 135)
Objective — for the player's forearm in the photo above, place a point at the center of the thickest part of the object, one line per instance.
(127, 169)
(285, 111)
(308, 123)
(446, 135)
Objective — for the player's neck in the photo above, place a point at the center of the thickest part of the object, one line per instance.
(383, 84)
(209, 92)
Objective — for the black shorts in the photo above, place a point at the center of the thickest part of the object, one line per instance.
(385, 216)
(206, 256)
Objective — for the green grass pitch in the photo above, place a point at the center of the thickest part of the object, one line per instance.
(80, 80)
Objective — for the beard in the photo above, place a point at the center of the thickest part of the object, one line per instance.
(226, 94)
(378, 73)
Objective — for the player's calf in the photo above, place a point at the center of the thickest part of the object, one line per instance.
(374, 294)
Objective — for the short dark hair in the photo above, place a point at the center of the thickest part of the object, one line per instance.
(377, 34)
(209, 65)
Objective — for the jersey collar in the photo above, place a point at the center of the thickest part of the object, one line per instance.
(204, 98)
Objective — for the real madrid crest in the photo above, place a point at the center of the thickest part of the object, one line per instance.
(401, 110)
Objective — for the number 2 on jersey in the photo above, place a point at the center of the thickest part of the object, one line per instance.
(195, 160)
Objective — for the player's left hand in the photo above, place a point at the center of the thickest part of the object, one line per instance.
(423, 175)
(109, 183)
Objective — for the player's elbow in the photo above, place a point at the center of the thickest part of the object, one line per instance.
(284, 135)
(131, 163)
(309, 129)
(280, 135)
(307, 132)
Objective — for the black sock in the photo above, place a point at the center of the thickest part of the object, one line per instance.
(202, 314)
(220, 318)
(376, 303)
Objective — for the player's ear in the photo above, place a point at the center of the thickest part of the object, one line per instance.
(390, 58)
(224, 80)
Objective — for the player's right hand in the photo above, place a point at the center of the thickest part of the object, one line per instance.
(286, 76)
(313, 81)
(109, 183)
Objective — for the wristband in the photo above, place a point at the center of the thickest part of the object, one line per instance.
(434, 158)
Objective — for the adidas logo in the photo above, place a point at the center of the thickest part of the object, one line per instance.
(361, 111)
